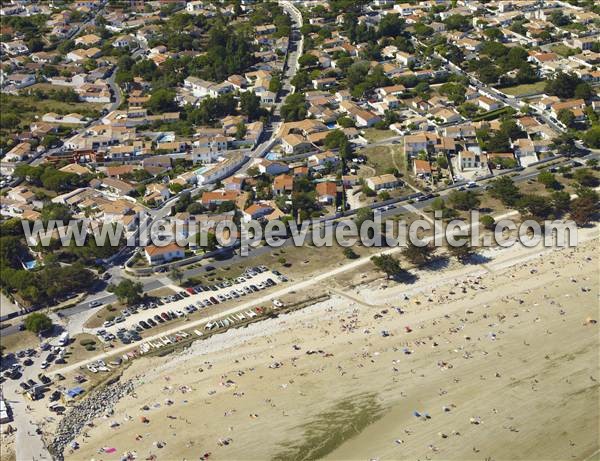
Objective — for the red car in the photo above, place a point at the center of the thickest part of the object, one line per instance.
(190, 290)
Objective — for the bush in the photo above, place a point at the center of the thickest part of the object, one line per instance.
(87, 342)
(37, 322)
(488, 221)
(90, 348)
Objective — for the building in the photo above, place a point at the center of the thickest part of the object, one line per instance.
(283, 184)
(326, 192)
(384, 181)
(257, 211)
(163, 254)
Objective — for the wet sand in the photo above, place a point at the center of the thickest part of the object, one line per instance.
(469, 362)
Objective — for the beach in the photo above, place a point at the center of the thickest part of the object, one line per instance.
(497, 360)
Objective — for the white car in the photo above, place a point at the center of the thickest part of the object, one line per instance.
(44, 365)
(277, 303)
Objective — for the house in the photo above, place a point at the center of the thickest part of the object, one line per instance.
(295, 144)
(202, 88)
(468, 160)
(324, 83)
(217, 197)
(117, 171)
(88, 40)
(163, 254)
(421, 168)
(117, 186)
(234, 183)
(283, 184)
(362, 117)
(384, 181)
(19, 80)
(445, 114)
(220, 170)
(576, 106)
(157, 193)
(319, 161)
(404, 58)
(21, 194)
(257, 211)
(18, 153)
(15, 48)
(394, 90)
(125, 41)
(270, 167)
(83, 54)
(75, 168)
(268, 97)
(487, 103)
(326, 192)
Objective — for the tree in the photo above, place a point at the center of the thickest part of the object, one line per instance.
(583, 91)
(566, 117)
(584, 206)
(162, 100)
(463, 252)
(535, 205)
(334, 139)
(418, 255)
(128, 291)
(464, 200)
(294, 108)
(438, 204)
(458, 22)
(487, 222)
(548, 180)
(585, 177)
(391, 25)
(562, 85)
(308, 60)
(177, 274)
(37, 322)
(250, 105)
(592, 137)
(240, 131)
(389, 265)
(561, 201)
(504, 189)
(362, 215)
(275, 84)
(349, 253)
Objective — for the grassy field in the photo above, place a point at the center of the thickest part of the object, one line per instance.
(373, 135)
(383, 158)
(519, 90)
(28, 107)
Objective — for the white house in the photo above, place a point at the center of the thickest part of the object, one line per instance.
(163, 254)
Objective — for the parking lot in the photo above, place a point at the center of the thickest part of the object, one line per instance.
(127, 327)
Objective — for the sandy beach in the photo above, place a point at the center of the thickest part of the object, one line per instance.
(489, 361)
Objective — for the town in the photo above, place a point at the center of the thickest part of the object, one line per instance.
(129, 113)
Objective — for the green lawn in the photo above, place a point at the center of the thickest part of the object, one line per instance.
(525, 89)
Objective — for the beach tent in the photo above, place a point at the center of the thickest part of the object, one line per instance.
(74, 392)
